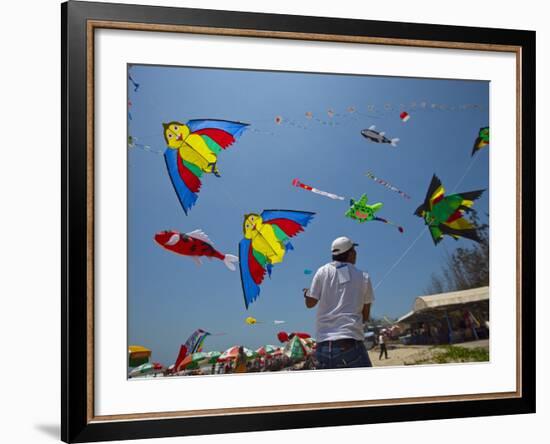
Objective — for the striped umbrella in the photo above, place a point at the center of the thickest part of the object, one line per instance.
(146, 369)
(296, 348)
(193, 360)
(266, 350)
(233, 352)
(213, 356)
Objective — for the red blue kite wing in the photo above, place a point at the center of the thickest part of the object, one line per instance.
(252, 273)
(185, 183)
(291, 222)
(221, 132)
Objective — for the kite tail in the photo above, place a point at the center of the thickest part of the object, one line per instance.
(394, 141)
(386, 221)
(230, 261)
(468, 233)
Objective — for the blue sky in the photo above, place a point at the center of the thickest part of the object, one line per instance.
(169, 296)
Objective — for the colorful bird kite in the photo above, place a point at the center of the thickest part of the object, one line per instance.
(192, 150)
(194, 245)
(378, 137)
(266, 240)
(362, 212)
(404, 116)
(445, 214)
(481, 140)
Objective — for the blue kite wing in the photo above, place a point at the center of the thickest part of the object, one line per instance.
(251, 290)
(177, 175)
(233, 128)
(300, 217)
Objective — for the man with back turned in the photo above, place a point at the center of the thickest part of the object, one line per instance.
(343, 296)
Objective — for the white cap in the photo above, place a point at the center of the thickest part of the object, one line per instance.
(341, 245)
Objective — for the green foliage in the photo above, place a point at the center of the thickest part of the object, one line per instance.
(466, 267)
(450, 353)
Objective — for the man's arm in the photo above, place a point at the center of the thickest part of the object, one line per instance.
(310, 302)
(368, 297)
(366, 312)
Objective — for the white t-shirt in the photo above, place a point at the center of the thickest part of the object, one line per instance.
(342, 290)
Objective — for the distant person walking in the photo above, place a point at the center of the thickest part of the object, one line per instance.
(382, 343)
(240, 364)
(343, 295)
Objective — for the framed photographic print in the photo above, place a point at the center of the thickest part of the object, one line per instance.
(276, 221)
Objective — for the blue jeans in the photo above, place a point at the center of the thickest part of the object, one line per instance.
(330, 355)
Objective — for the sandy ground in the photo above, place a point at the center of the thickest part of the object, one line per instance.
(399, 354)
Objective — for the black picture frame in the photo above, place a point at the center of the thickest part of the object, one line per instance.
(77, 425)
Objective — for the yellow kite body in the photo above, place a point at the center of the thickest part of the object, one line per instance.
(191, 147)
(263, 238)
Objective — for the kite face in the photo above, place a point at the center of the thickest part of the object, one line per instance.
(192, 150)
(253, 223)
(175, 133)
(265, 243)
(444, 215)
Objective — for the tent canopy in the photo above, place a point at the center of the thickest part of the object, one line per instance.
(429, 307)
(448, 300)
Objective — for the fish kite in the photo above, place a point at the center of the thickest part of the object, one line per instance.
(266, 240)
(389, 186)
(192, 150)
(362, 212)
(481, 140)
(298, 184)
(378, 137)
(194, 244)
(444, 215)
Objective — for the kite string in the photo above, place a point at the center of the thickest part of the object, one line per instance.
(465, 173)
(398, 261)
